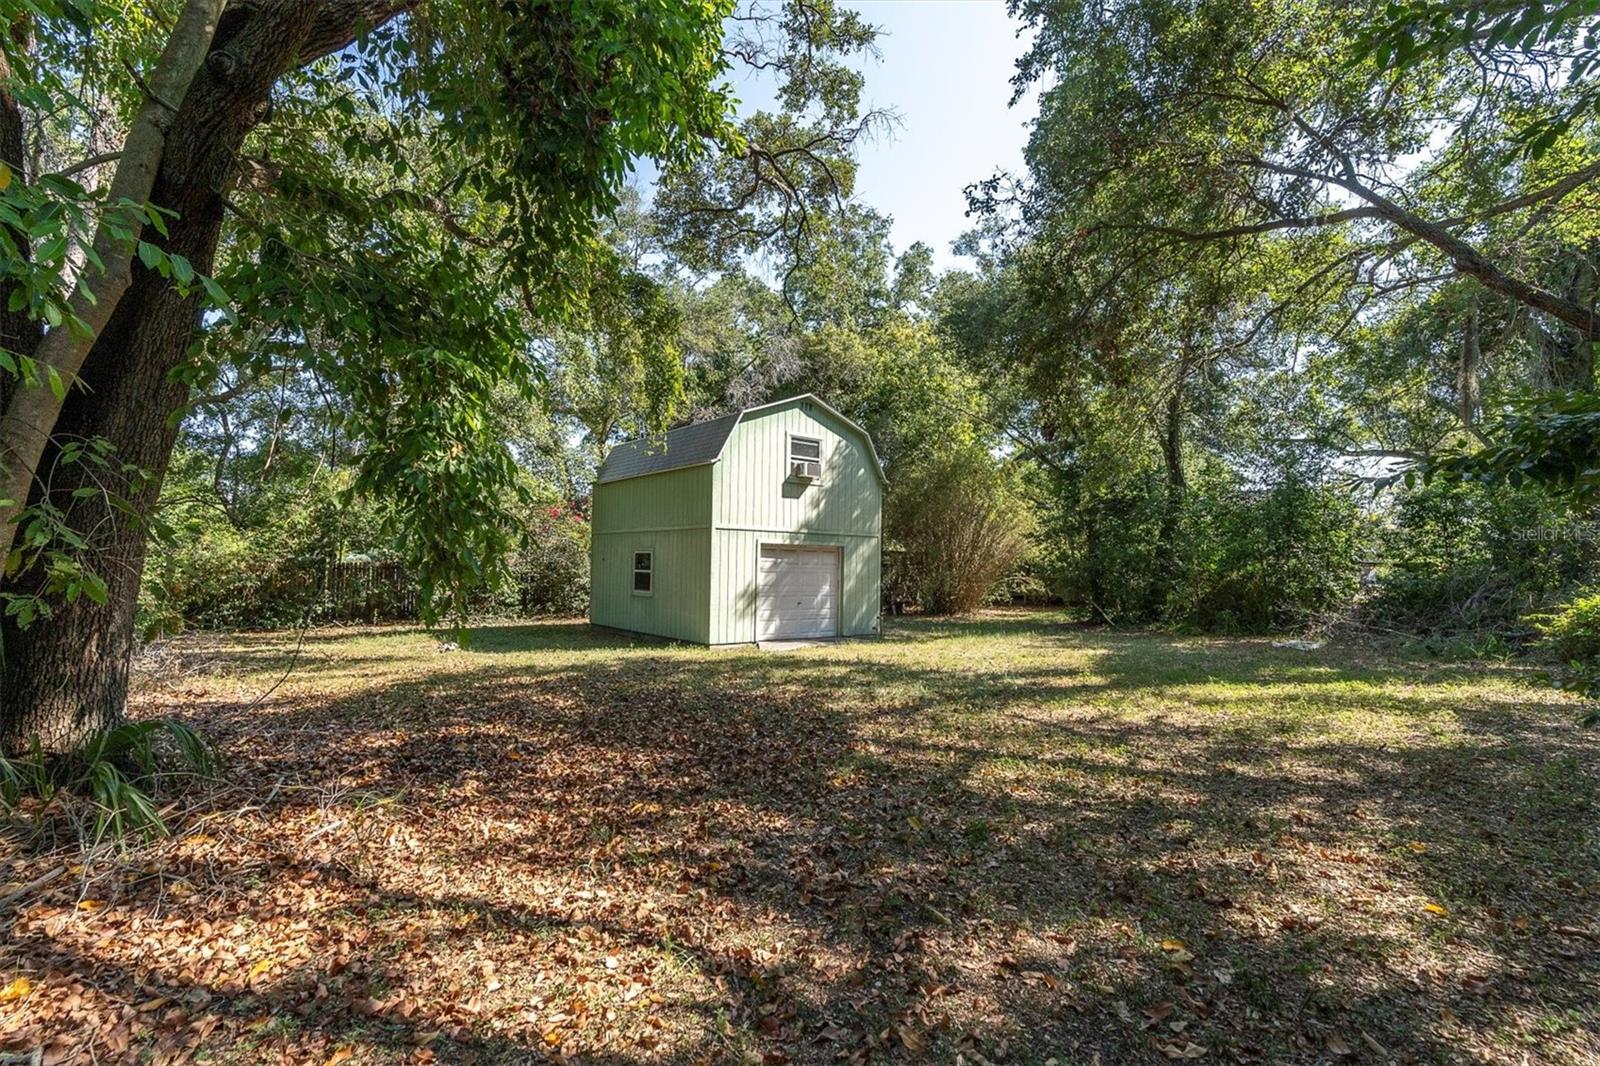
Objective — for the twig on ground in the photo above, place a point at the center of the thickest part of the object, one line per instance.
(32, 886)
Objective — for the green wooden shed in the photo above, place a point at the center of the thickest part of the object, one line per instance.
(764, 524)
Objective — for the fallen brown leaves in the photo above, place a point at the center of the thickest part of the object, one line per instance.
(996, 841)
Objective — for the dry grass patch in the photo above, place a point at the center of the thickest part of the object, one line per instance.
(1006, 839)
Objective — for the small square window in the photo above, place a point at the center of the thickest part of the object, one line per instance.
(643, 573)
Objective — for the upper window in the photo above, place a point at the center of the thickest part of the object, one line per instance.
(643, 573)
(805, 457)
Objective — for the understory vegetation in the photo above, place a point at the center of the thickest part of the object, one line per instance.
(116, 778)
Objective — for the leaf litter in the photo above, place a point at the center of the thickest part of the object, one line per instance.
(1001, 840)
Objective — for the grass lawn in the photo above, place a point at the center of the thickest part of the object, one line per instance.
(1007, 840)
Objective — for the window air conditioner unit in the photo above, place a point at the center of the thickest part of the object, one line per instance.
(805, 469)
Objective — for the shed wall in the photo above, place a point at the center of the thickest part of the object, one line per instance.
(755, 503)
(675, 499)
(752, 490)
(735, 554)
(667, 514)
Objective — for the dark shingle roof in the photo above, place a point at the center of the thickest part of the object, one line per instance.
(691, 445)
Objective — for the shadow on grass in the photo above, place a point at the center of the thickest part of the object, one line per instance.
(1037, 841)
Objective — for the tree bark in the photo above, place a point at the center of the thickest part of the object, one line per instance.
(1565, 358)
(1166, 554)
(66, 677)
(1469, 372)
(1467, 259)
(31, 411)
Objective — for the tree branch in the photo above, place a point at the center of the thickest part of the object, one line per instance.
(339, 23)
(1466, 258)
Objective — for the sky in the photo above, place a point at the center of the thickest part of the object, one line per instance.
(945, 70)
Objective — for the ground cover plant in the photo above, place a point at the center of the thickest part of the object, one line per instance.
(1005, 839)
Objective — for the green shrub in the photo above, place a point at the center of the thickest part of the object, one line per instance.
(962, 523)
(1260, 561)
(1104, 549)
(1214, 555)
(269, 562)
(253, 562)
(550, 572)
(1462, 558)
(1571, 636)
(1572, 632)
(119, 770)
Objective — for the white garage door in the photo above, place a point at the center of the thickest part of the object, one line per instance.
(798, 593)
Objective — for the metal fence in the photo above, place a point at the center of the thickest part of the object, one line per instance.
(386, 591)
(367, 591)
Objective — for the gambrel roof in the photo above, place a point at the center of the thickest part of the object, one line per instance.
(692, 445)
(699, 443)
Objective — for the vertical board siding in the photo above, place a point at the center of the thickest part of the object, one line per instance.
(675, 499)
(679, 603)
(753, 489)
(735, 554)
(669, 515)
(755, 502)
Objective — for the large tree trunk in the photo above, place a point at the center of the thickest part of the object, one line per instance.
(30, 412)
(66, 677)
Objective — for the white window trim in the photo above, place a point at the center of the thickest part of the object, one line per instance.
(789, 457)
(635, 571)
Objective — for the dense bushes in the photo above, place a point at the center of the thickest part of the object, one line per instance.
(1570, 635)
(1446, 559)
(1470, 558)
(549, 577)
(1212, 554)
(550, 574)
(962, 524)
(305, 551)
(221, 564)
(956, 519)
(1097, 549)
(1271, 559)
